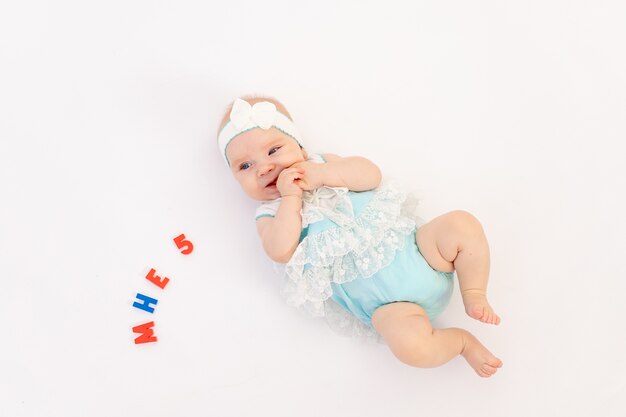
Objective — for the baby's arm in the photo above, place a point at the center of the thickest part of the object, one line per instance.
(281, 234)
(354, 172)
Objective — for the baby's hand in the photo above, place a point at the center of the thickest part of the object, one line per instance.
(287, 182)
(313, 175)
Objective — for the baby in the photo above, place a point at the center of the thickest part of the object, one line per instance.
(349, 244)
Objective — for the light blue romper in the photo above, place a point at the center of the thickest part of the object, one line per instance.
(407, 277)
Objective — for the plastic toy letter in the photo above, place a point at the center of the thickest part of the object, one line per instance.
(147, 334)
(146, 303)
(182, 243)
(156, 280)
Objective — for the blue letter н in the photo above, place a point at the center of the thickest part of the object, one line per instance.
(146, 303)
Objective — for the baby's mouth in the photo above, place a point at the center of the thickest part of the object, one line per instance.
(271, 183)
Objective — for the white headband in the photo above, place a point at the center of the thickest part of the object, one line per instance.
(244, 117)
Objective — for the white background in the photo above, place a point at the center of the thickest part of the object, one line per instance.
(513, 111)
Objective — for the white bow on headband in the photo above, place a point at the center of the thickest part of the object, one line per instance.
(244, 117)
(262, 114)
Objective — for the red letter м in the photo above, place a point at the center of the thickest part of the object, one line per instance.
(147, 334)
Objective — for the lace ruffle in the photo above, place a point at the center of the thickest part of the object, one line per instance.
(359, 248)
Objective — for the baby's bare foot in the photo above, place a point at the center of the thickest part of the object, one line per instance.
(477, 307)
(479, 358)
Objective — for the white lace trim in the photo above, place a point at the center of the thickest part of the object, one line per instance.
(347, 325)
(359, 248)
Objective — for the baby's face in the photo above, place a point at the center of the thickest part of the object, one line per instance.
(256, 158)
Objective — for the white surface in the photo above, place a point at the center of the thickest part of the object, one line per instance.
(513, 111)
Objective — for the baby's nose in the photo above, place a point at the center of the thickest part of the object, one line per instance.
(266, 168)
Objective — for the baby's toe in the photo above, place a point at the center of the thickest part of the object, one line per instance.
(487, 317)
(488, 369)
(491, 317)
(494, 362)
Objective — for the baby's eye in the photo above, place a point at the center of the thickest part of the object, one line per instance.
(244, 166)
(274, 149)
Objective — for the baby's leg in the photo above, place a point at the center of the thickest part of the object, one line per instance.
(408, 333)
(456, 241)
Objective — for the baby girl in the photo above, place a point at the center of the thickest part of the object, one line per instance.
(350, 245)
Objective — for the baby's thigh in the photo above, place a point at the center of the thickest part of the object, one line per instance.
(404, 326)
(437, 242)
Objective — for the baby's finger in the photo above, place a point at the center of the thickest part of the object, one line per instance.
(288, 171)
(292, 175)
(297, 174)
